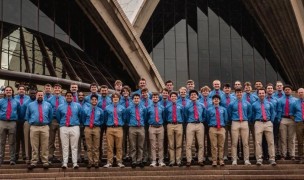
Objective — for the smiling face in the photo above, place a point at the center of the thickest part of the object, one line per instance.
(115, 98)
(39, 96)
(136, 100)
(94, 101)
(57, 90)
(8, 92)
(216, 84)
(69, 97)
(216, 101)
(261, 94)
(74, 88)
(193, 96)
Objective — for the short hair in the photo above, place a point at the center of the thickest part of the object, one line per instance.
(142, 79)
(269, 84)
(38, 91)
(11, 89)
(182, 88)
(93, 84)
(126, 87)
(190, 81)
(279, 82)
(193, 91)
(169, 81)
(287, 86)
(216, 96)
(205, 88)
(81, 92)
(258, 81)
(115, 94)
(94, 95)
(247, 83)
(155, 94)
(57, 85)
(173, 92)
(48, 85)
(227, 85)
(136, 94)
(144, 90)
(238, 90)
(104, 87)
(21, 85)
(118, 82)
(74, 83)
(261, 89)
(165, 89)
(68, 92)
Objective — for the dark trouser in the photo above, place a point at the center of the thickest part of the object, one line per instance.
(165, 141)
(103, 130)
(20, 140)
(147, 146)
(125, 141)
(208, 145)
(7, 128)
(276, 135)
(265, 148)
(83, 142)
(227, 134)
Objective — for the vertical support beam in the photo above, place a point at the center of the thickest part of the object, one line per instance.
(24, 50)
(1, 39)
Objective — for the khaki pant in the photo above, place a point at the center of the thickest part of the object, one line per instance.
(300, 137)
(136, 140)
(195, 130)
(217, 138)
(266, 128)
(92, 138)
(240, 128)
(156, 136)
(288, 134)
(54, 130)
(20, 140)
(39, 138)
(27, 140)
(175, 138)
(7, 128)
(114, 136)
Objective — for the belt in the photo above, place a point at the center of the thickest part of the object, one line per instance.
(39, 124)
(71, 125)
(175, 123)
(286, 116)
(216, 126)
(114, 126)
(136, 126)
(195, 122)
(90, 127)
(156, 126)
(262, 120)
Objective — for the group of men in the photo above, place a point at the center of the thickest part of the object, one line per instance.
(150, 125)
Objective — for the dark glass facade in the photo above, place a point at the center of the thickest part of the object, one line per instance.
(55, 38)
(204, 40)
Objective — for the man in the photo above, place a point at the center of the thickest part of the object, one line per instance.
(125, 101)
(55, 100)
(118, 86)
(217, 118)
(104, 101)
(276, 123)
(216, 89)
(287, 125)
(114, 120)
(142, 84)
(26, 126)
(9, 111)
(239, 112)
(82, 141)
(297, 115)
(93, 90)
(174, 117)
(164, 102)
(190, 85)
(279, 90)
(21, 98)
(47, 92)
(81, 99)
(74, 89)
(226, 99)
(195, 114)
(263, 115)
(155, 118)
(92, 118)
(257, 85)
(237, 85)
(169, 85)
(39, 115)
(135, 116)
(68, 115)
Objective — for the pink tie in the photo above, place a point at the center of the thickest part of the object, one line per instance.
(68, 115)
(195, 111)
(263, 111)
(137, 115)
(184, 102)
(280, 94)
(127, 102)
(74, 98)
(216, 92)
(92, 117)
(57, 103)
(165, 103)
(287, 106)
(9, 109)
(302, 107)
(227, 100)
(156, 113)
(21, 100)
(40, 113)
(174, 113)
(248, 98)
(240, 110)
(268, 98)
(104, 103)
(205, 102)
(146, 102)
(218, 118)
(115, 116)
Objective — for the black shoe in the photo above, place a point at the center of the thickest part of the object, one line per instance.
(89, 166)
(201, 164)
(188, 164)
(46, 166)
(31, 167)
(12, 163)
(180, 164)
(133, 165)
(141, 165)
(96, 165)
(171, 164)
(16, 157)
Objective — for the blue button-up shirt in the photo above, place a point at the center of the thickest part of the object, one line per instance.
(296, 110)
(15, 109)
(276, 94)
(109, 115)
(208, 101)
(130, 115)
(107, 100)
(224, 100)
(46, 97)
(179, 112)
(52, 101)
(233, 110)
(138, 91)
(123, 101)
(211, 116)
(61, 114)
(189, 112)
(88, 98)
(98, 116)
(213, 92)
(252, 97)
(185, 99)
(18, 97)
(32, 113)
(164, 103)
(257, 111)
(148, 101)
(276, 105)
(24, 107)
(283, 103)
(151, 114)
